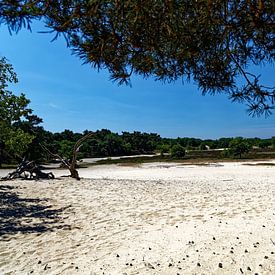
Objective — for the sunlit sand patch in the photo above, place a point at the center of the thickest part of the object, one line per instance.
(141, 220)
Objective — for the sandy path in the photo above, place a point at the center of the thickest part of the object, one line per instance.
(142, 220)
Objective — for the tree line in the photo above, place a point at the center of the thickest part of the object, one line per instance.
(21, 135)
(105, 143)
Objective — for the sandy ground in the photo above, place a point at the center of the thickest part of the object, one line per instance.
(150, 219)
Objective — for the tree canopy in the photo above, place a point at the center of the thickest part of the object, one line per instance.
(16, 118)
(210, 41)
(239, 146)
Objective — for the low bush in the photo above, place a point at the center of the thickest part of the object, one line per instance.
(177, 151)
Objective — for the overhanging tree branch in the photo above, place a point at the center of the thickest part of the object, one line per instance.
(168, 40)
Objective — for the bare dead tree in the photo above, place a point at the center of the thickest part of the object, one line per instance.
(71, 165)
(28, 170)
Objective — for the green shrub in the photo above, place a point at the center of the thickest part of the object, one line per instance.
(202, 147)
(226, 153)
(164, 148)
(239, 146)
(177, 151)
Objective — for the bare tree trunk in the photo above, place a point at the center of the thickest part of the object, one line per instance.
(72, 164)
(74, 173)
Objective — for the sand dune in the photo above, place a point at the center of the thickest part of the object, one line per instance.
(151, 219)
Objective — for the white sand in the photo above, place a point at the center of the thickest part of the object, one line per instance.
(152, 219)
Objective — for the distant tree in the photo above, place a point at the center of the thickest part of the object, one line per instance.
(114, 145)
(193, 142)
(34, 151)
(163, 149)
(210, 41)
(223, 142)
(141, 142)
(67, 135)
(265, 143)
(182, 141)
(177, 151)
(127, 148)
(202, 146)
(65, 148)
(238, 146)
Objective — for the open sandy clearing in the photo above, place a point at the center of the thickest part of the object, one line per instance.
(153, 219)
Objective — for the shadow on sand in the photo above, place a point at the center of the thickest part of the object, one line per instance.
(25, 215)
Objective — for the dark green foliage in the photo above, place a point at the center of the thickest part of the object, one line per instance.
(16, 118)
(223, 142)
(12, 107)
(141, 142)
(210, 41)
(265, 143)
(202, 147)
(238, 147)
(177, 151)
(112, 145)
(188, 142)
(164, 149)
(65, 148)
(67, 135)
(226, 153)
(105, 143)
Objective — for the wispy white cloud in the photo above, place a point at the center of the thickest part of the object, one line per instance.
(54, 106)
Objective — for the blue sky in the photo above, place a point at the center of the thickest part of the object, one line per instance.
(69, 95)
